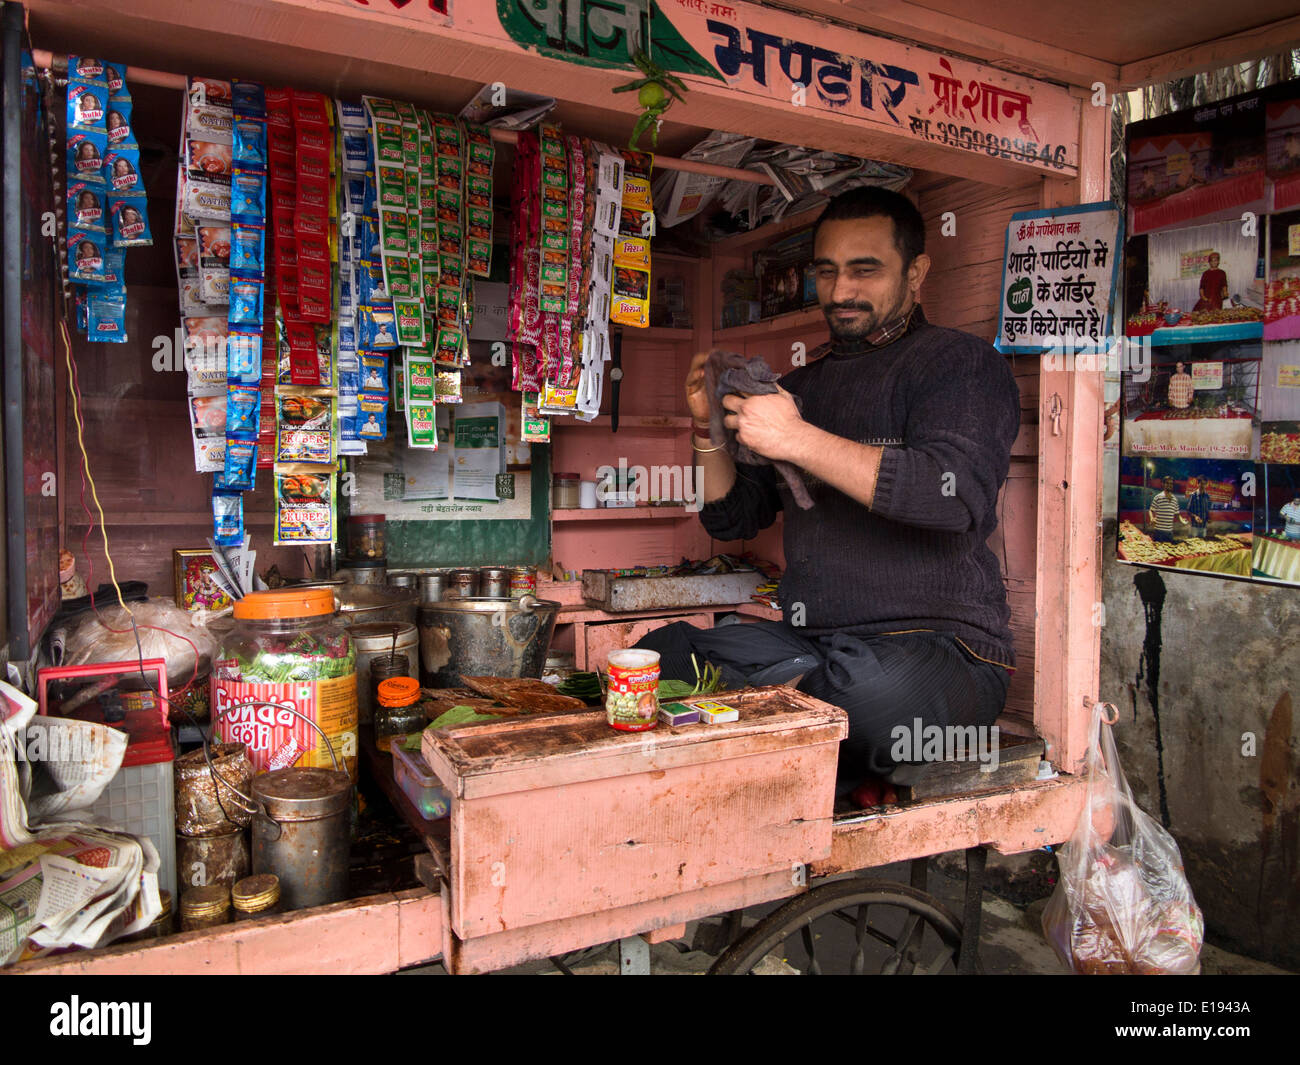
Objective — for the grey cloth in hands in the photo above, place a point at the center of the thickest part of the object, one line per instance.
(729, 373)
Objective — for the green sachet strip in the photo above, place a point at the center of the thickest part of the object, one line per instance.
(460, 715)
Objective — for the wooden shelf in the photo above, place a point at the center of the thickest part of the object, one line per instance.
(809, 317)
(673, 256)
(765, 234)
(624, 514)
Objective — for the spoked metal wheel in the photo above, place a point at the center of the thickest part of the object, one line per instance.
(892, 929)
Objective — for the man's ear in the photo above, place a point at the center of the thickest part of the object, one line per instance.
(916, 273)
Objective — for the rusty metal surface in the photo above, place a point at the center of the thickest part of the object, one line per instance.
(203, 805)
(217, 859)
(618, 594)
(311, 858)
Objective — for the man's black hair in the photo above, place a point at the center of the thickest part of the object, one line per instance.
(871, 201)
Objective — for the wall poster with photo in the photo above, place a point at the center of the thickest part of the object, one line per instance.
(1194, 401)
(1279, 403)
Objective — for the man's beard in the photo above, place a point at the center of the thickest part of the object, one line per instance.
(870, 324)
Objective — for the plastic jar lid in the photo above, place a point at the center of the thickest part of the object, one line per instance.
(285, 603)
(399, 691)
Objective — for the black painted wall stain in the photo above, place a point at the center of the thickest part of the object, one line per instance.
(1151, 589)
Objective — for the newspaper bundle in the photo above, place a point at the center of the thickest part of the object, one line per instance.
(64, 883)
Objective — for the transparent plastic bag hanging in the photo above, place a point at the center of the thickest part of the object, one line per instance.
(1123, 904)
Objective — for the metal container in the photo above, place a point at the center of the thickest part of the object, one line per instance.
(303, 837)
(360, 604)
(433, 585)
(523, 581)
(256, 896)
(365, 573)
(221, 858)
(488, 637)
(205, 907)
(208, 796)
(462, 584)
(401, 580)
(494, 582)
(376, 638)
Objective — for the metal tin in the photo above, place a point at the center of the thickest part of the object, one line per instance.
(494, 582)
(221, 858)
(433, 585)
(205, 907)
(303, 839)
(462, 584)
(523, 581)
(484, 637)
(401, 580)
(373, 638)
(206, 802)
(160, 926)
(365, 573)
(256, 896)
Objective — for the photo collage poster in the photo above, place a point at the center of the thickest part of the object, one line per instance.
(1209, 403)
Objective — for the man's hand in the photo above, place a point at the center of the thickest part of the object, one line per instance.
(767, 425)
(697, 391)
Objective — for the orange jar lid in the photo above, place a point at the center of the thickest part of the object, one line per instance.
(285, 603)
(399, 691)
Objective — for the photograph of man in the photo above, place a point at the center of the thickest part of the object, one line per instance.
(1198, 508)
(1214, 287)
(1180, 388)
(1163, 511)
(1291, 515)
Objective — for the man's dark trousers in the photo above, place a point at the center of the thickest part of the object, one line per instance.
(880, 681)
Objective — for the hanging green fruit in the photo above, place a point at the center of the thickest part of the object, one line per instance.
(656, 92)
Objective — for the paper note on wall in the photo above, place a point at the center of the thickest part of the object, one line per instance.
(478, 439)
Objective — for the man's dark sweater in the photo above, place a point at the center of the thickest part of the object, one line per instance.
(945, 407)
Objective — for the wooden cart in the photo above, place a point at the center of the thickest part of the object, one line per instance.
(786, 841)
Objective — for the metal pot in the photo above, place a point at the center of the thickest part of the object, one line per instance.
(220, 858)
(485, 637)
(304, 837)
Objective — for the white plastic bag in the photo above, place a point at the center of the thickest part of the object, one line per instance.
(1123, 904)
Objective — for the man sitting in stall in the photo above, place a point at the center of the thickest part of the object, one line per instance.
(894, 606)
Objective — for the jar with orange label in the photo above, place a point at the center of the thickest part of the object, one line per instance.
(399, 713)
(288, 665)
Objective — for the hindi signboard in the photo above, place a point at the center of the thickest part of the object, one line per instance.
(1059, 276)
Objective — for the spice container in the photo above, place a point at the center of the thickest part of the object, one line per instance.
(286, 665)
(564, 491)
(365, 573)
(366, 537)
(523, 581)
(256, 896)
(419, 784)
(371, 640)
(398, 714)
(433, 586)
(494, 582)
(205, 907)
(402, 580)
(462, 584)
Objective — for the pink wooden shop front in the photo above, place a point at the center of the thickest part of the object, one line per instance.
(1048, 539)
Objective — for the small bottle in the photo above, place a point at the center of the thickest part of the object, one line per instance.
(256, 896)
(205, 907)
(398, 713)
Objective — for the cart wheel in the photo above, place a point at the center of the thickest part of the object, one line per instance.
(896, 931)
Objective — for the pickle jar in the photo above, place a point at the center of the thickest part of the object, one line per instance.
(287, 665)
(399, 713)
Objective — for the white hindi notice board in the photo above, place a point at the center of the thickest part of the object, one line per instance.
(1059, 275)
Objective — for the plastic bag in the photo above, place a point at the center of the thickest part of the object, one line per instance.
(1123, 904)
(89, 641)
